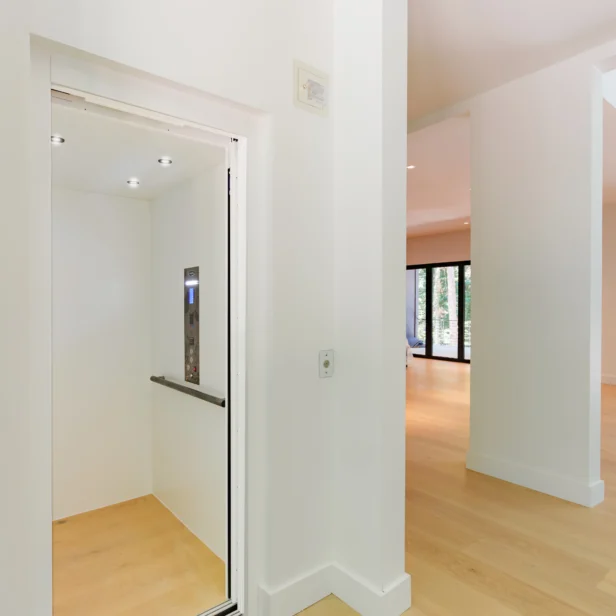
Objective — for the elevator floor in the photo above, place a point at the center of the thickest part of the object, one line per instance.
(132, 559)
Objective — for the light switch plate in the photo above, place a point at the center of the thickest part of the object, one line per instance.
(311, 88)
(326, 364)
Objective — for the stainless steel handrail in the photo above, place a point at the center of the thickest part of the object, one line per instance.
(195, 393)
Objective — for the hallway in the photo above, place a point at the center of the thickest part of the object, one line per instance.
(477, 546)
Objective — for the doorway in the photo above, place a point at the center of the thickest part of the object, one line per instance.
(438, 321)
(143, 345)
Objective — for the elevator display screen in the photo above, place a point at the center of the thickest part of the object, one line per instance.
(191, 325)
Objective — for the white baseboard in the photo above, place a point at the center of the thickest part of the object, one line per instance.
(296, 595)
(608, 379)
(307, 590)
(367, 600)
(569, 489)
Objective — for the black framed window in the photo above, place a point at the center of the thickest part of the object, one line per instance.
(438, 310)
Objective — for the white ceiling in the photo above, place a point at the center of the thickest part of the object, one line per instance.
(609, 153)
(101, 153)
(438, 195)
(437, 190)
(459, 48)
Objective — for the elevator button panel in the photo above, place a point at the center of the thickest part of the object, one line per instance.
(191, 325)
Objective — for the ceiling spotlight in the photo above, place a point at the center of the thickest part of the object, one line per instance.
(57, 140)
(165, 161)
(466, 223)
(411, 167)
(133, 182)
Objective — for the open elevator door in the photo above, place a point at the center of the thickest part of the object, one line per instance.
(193, 306)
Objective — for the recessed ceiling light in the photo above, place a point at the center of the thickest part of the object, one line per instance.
(466, 223)
(57, 140)
(133, 182)
(411, 167)
(165, 161)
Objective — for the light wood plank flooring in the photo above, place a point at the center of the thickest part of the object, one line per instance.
(132, 559)
(477, 546)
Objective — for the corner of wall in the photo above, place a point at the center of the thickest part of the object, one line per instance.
(392, 600)
(333, 579)
(566, 488)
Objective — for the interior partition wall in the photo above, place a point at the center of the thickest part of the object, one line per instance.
(438, 310)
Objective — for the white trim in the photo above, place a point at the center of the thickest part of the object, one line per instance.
(74, 74)
(393, 600)
(296, 595)
(150, 119)
(608, 379)
(568, 488)
(302, 592)
(39, 437)
(238, 166)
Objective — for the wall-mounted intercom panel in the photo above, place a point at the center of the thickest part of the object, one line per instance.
(191, 325)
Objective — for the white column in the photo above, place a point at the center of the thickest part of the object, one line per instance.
(369, 102)
(536, 253)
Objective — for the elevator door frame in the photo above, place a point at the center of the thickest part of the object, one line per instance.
(72, 77)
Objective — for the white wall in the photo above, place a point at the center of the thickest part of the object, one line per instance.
(608, 362)
(456, 246)
(102, 419)
(190, 436)
(369, 245)
(117, 293)
(536, 252)
(438, 248)
(213, 48)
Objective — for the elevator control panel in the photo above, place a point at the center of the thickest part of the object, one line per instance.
(191, 325)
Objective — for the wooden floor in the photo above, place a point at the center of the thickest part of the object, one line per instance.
(132, 559)
(477, 546)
